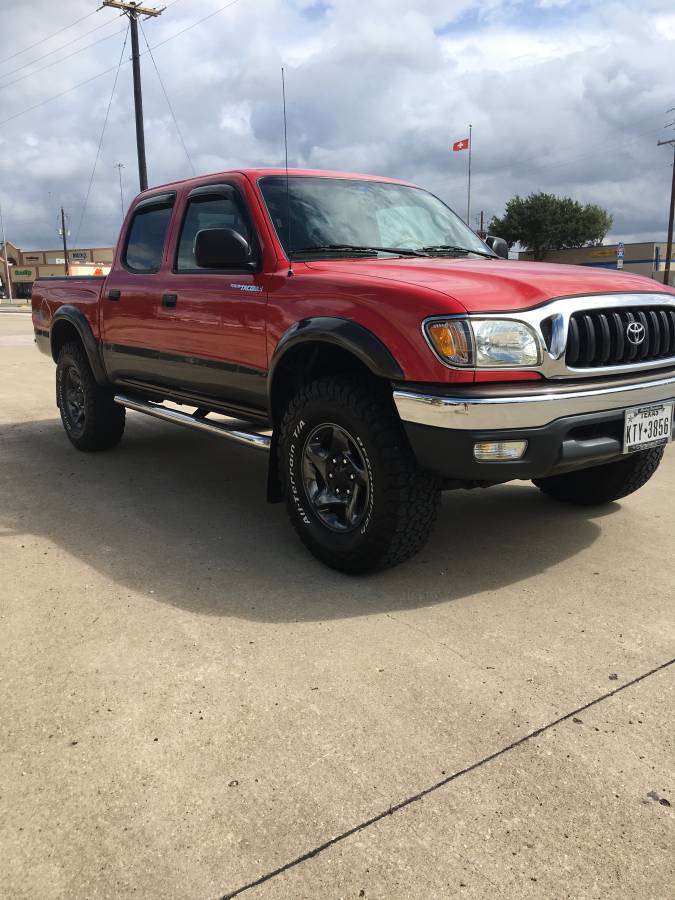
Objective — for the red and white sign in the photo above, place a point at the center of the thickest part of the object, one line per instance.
(461, 145)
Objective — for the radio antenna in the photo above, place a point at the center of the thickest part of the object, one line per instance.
(288, 193)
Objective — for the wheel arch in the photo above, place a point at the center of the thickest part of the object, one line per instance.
(317, 347)
(70, 323)
(325, 345)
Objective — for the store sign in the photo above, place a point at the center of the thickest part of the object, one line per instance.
(23, 274)
(78, 255)
(31, 259)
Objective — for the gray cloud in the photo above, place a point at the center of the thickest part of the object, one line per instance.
(567, 97)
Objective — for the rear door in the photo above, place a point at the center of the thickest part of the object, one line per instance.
(130, 325)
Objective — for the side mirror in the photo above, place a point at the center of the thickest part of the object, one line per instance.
(499, 245)
(222, 248)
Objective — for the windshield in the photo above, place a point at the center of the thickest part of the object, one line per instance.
(340, 215)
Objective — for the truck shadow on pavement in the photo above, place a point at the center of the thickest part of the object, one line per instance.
(184, 516)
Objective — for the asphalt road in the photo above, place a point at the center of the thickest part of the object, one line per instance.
(192, 707)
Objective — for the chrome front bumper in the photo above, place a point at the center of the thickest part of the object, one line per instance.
(504, 405)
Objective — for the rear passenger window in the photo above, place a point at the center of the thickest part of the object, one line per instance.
(145, 241)
(208, 212)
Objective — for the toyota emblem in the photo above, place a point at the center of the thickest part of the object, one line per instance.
(636, 333)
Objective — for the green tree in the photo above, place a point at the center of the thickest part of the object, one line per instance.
(543, 222)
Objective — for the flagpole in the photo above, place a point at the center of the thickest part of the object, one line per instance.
(468, 198)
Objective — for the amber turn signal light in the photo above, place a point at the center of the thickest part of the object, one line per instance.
(452, 341)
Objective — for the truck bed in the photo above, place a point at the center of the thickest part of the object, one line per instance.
(80, 291)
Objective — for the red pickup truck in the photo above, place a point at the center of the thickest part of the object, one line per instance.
(357, 330)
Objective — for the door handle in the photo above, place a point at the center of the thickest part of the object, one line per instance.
(114, 294)
(169, 300)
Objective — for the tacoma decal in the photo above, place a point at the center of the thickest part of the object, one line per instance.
(250, 288)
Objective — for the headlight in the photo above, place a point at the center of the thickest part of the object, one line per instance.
(484, 343)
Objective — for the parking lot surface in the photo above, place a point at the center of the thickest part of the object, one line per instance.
(193, 707)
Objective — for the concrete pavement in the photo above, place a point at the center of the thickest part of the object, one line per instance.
(193, 707)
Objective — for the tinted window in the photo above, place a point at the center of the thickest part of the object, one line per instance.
(145, 243)
(208, 212)
(325, 211)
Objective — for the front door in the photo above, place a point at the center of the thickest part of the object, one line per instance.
(217, 322)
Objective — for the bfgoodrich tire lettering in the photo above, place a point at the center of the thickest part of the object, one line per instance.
(603, 484)
(402, 499)
(91, 418)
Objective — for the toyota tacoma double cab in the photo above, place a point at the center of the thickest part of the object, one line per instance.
(358, 331)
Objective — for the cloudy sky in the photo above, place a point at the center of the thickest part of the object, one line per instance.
(565, 96)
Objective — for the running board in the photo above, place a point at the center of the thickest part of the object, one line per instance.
(157, 411)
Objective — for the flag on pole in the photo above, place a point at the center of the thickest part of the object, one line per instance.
(461, 145)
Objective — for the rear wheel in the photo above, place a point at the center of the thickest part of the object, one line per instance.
(354, 491)
(603, 484)
(91, 418)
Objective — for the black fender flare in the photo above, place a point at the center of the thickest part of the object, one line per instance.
(343, 333)
(75, 317)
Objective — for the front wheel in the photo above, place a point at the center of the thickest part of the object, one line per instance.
(354, 491)
(603, 484)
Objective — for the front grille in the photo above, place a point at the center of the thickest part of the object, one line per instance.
(599, 338)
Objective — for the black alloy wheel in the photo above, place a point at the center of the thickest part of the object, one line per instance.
(74, 400)
(354, 492)
(91, 418)
(335, 477)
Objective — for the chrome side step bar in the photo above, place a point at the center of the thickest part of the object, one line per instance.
(157, 411)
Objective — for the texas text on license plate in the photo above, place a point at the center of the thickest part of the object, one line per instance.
(647, 426)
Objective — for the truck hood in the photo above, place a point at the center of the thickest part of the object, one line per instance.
(482, 285)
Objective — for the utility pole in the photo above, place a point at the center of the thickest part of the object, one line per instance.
(119, 167)
(133, 11)
(4, 256)
(65, 244)
(669, 244)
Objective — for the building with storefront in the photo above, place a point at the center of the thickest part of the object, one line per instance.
(26, 265)
(646, 258)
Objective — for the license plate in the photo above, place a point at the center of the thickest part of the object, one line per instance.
(647, 426)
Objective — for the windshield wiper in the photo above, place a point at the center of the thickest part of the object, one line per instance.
(443, 248)
(353, 248)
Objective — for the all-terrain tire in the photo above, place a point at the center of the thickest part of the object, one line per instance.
(603, 484)
(91, 418)
(402, 499)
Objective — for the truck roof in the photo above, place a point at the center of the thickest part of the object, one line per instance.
(254, 173)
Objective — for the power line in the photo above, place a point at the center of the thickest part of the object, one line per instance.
(112, 68)
(168, 102)
(194, 24)
(98, 151)
(67, 44)
(48, 38)
(56, 96)
(56, 49)
(62, 59)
